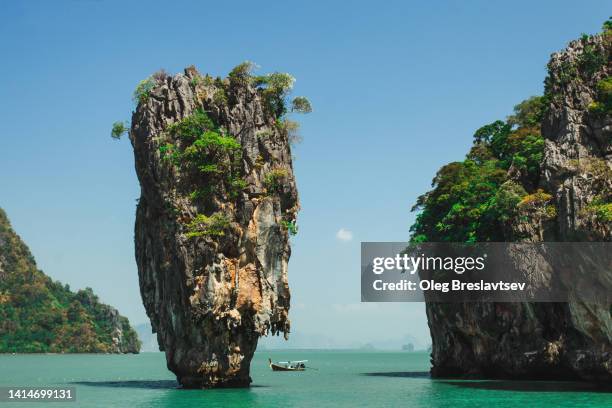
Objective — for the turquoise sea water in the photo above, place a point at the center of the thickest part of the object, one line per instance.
(343, 378)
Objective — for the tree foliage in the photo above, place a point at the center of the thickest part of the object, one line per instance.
(607, 25)
(143, 90)
(274, 179)
(275, 89)
(39, 315)
(528, 113)
(290, 227)
(603, 102)
(473, 199)
(118, 130)
(200, 148)
(208, 226)
(301, 104)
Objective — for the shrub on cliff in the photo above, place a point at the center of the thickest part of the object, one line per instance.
(275, 89)
(592, 59)
(118, 130)
(301, 104)
(241, 74)
(274, 179)
(289, 226)
(198, 146)
(603, 102)
(192, 126)
(143, 90)
(600, 210)
(529, 113)
(607, 25)
(205, 226)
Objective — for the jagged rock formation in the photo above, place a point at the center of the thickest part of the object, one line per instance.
(217, 206)
(548, 340)
(39, 315)
(578, 150)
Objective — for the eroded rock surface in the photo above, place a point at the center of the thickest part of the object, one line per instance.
(548, 340)
(212, 250)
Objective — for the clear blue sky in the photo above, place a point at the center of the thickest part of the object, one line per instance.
(397, 88)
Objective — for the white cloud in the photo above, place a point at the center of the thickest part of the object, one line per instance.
(344, 235)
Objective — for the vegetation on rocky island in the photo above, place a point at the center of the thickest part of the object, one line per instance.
(275, 89)
(603, 102)
(143, 90)
(600, 208)
(118, 130)
(591, 60)
(207, 156)
(290, 226)
(40, 315)
(496, 185)
(199, 148)
(204, 226)
(274, 179)
(472, 200)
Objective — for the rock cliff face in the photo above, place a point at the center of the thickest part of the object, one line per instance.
(39, 315)
(578, 150)
(218, 203)
(549, 340)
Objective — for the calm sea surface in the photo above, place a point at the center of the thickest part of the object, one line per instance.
(343, 378)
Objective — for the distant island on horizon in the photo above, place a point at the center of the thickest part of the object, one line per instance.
(304, 341)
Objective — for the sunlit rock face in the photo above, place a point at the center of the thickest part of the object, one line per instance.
(548, 340)
(212, 252)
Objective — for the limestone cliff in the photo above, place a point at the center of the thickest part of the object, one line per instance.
(39, 315)
(570, 200)
(218, 203)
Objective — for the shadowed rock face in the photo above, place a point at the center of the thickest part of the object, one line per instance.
(547, 340)
(210, 296)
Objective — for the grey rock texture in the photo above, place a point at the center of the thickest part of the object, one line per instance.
(547, 340)
(578, 151)
(210, 298)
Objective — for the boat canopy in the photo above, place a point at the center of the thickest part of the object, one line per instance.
(292, 361)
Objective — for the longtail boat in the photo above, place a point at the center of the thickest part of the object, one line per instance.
(287, 365)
